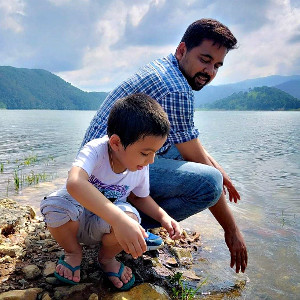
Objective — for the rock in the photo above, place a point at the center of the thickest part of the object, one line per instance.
(12, 251)
(155, 261)
(93, 297)
(31, 271)
(29, 294)
(49, 268)
(23, 282)
(51, 280)
(53, 248)
(6, 259)
(172, 261)
(184, 255)
(66, 291)
(145, 291)
(13, 216)
(46, 297)
(155, 230)
(190, 274)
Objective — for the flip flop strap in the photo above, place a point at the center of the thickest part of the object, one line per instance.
(116, 274)
(62, 262)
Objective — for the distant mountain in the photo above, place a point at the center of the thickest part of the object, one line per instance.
(212, 93)
(292, 87)
(259, 98)
(39, 89)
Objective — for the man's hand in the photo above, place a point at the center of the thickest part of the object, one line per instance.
(172, 227)
(238, 251)
(130, 235)
(227, 184)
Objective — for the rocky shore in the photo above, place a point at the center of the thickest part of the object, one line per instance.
(28, 256)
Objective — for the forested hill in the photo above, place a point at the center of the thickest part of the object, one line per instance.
(259, 98)
(40, 89)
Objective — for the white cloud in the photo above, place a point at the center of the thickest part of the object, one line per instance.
(11, 13)
(267, 50)
(97, 44)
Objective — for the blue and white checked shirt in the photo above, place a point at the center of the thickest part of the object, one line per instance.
(164, 82)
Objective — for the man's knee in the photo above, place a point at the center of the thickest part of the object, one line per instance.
(209, 190)
(216, 184)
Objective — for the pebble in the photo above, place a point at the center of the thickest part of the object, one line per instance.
(31, 271)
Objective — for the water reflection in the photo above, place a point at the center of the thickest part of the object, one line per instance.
(259, 150)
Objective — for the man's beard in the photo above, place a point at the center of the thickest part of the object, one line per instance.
(193, 82)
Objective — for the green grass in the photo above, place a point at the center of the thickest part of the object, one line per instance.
(17, 180)
(23, 172)
(35, 178)
(29, 179)
(30, 160)
(181, 290)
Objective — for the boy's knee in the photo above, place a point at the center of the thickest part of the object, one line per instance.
(57, 211)
(132, 215)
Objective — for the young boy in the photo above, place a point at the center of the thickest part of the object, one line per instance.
(107, 172)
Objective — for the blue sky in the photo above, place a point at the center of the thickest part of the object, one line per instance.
(95, 45)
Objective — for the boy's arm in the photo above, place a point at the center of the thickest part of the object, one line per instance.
(148, 206)
(128, 232)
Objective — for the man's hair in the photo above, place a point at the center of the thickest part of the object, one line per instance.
(209, 29)
(135, 117)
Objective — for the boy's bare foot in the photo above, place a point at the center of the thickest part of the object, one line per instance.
(73, 259)
(112, 265)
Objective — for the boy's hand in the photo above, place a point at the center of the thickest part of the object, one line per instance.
(130, 235)
(172, 227)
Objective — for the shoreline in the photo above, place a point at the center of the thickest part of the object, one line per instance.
(28, 256)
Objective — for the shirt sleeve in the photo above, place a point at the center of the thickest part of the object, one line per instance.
(180, 110)
(143, 188)
(88, 156)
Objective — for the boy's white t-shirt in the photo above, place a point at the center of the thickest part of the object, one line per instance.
(94, 159)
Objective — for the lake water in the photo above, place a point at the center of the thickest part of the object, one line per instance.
(259, 150)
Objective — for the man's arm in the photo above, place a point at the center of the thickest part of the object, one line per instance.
(194, 151)
(233, 193)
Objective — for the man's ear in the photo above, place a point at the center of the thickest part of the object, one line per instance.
(115, 142)
(180, 51)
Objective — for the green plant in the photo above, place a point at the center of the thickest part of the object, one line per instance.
(34, 178)
(181, 290)
(282, 219)
(17, 180)
(1, 167)
(30, 160)
(7, 187)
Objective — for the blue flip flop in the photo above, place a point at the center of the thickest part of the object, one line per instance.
(61, 261)
(153, 241)
(125, 286)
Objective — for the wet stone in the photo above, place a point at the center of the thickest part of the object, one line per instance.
(29, 294)
(49, 268)
(31, 271)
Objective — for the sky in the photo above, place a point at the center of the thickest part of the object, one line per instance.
(95, 45)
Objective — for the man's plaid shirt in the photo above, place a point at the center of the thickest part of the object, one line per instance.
(164, 82)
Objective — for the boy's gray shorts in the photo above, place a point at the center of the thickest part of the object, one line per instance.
(58, 210)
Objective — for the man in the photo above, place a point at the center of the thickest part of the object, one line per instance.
(184, 178)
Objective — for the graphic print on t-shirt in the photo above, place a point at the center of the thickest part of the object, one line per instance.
(110, 191)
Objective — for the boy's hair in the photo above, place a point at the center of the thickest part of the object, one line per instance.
(136, 116)
(209, 29)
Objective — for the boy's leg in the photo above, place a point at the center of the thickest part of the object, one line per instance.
(182, 188)
(62, 214)
(66, 236)
(109, 249)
